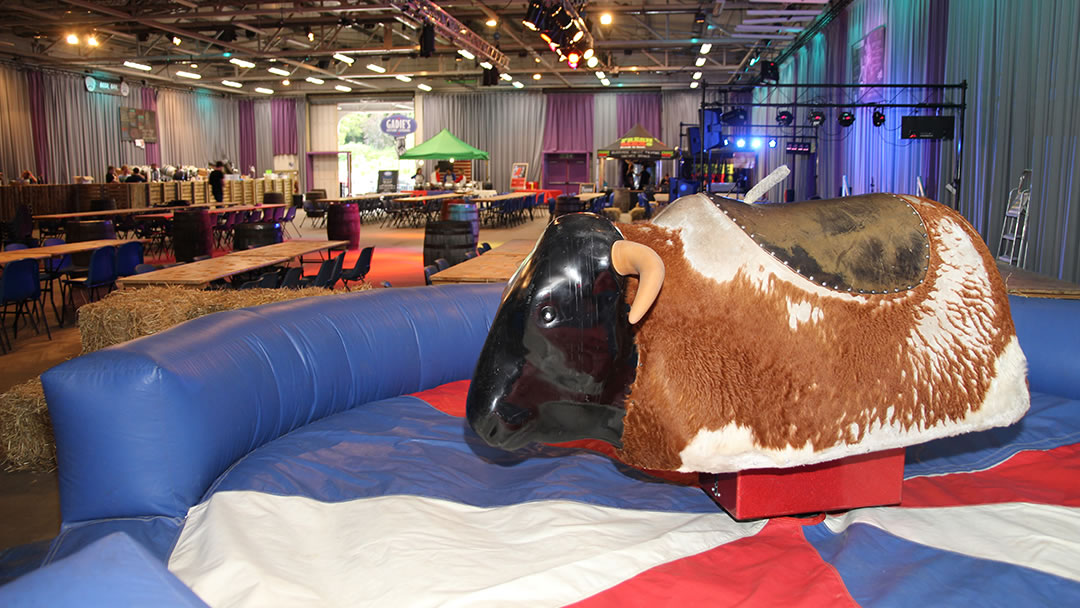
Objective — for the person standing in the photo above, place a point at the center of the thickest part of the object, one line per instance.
(110, 174)
(418, 179)
(217, 182)
(155, 173)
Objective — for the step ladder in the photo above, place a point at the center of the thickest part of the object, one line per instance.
(1012, 249)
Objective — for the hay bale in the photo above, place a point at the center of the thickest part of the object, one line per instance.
(26, 435)
(613, 214)
(128, 314)
(637, 214)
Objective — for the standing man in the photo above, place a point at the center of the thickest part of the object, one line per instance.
(217, 182)
(155, 173)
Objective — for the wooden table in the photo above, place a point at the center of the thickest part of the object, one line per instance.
(502, 197)
(661, 198)
(361, 197)
(129, 211)
(588, 196)
(1020, 282)
(291, 248)
(40, 253)
(431, 197)
(168, 215)
(495, 266)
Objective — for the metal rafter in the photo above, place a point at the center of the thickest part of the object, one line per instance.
(425, 11)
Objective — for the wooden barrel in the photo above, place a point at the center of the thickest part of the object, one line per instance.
(450, 239)
(87, 230)
(466, 212)
(256, 234)
(623, 200)
(567, 204)
(192, 234)
(343, 224)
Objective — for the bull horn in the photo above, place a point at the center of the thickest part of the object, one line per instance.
(628, 257)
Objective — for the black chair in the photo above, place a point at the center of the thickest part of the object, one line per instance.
(101, 273)
(291, 280)
(429, 270)
(485, 246)
(20, 285)
(268, 280)
(442, 264)
(326, 271)
(335, 274)
(55, 269)
(360, 270)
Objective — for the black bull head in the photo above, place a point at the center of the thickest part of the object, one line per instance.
(560, 355)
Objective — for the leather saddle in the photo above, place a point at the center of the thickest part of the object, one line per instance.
(872, 243)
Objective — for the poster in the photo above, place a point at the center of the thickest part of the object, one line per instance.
(138, 124)
(387, 181)
(517, 176)
(868, 61)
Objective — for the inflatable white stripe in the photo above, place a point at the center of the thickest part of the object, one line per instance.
(1041, 537)
(254, 549)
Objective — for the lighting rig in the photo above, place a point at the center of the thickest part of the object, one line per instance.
(561, 26)
(425, 12)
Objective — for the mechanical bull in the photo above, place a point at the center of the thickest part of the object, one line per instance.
(757, 336)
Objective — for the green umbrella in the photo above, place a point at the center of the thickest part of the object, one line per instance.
(444, 146)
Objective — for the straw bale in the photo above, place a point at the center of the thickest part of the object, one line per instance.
(26, 436)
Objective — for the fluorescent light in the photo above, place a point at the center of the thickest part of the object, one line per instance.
(314, 80)
(592, 61)
(345, 58)
(231, 83)
(506, 77)
(241, 62)
(194, 66)
(403, 78)
(605, 82)
(486, 65)
(601, 75)
(423, 87)
(190, 75)
(518, 85)
(376, 68)
(342, 88)
(466, 54)
(137, 66)
(697, 76)
(705, 48)
(278, 71)
(700, 61)
(72, 39)
(264, 90)
(693, 85)
(588, 54)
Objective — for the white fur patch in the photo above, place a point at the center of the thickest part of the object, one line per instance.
(802, 312)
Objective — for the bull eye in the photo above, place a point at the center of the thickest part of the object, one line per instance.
(548, 314)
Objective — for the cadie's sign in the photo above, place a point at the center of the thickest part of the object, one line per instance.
(397, 125)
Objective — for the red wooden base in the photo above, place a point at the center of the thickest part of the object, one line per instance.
(859, 481)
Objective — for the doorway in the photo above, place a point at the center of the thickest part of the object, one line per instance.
(566, 171)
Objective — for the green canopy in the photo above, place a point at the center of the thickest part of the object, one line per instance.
(444, 146)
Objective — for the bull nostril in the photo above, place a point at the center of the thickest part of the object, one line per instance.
(494, 429)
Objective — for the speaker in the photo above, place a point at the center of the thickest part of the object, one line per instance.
(693, 134)
(490, 78)
(927, 127)
(427, 40)
(683, 187)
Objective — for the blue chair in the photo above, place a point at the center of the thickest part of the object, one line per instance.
(55, 269)
(429, 270)
(14, 246)
(20, 285)
(442, 264)
(101, 273)
(386, 284)
(645, 204)
(360, 269)
(128, 256)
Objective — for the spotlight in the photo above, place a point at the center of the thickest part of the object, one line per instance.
(605, 82)
(879, 118)
(605, 19)
(537, 76)
(176, 40)
(699, 18)
(734, 116)
(740, 143)
(486, 65)
(310, 35)
(845, 119)
(697, 76)
(727, 142)
(518, 85)
(784, 118)
(227, 35)
(314, 80)
(770, 72)
(755, 143)
(815, 118)
(427, 40)
(92, 40)
(573, 59)
(491, 22)
(278, 71)
(772, 143)
(591, 62)
(705, 48)
(588, 54)
(506, 77)
(600, 75)
(534, 16)
(286, 82)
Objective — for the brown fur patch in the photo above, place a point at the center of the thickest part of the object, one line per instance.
(712, 354)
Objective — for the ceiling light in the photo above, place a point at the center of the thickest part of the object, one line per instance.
(342, 88)
(755, 143)
(314, 80)
(190, 75)
(506, 77)
(537, 76)
(176, 40)
(72, 39)
(772, 143)
(137, 66)
(518, 85)
(491, 22)
(92, 41)
(592, 61)
(403, 78)
(700, 61)
(697, 76)
(740, 143)
(466, 54)
(345, 58)
(374, 67)
(231, 83)
(194, 66)
(278, 71)
(486, 65)
(423, 87)
(536, 59)
(588, 54)
(705, 48)
(605, 82)
(310, 35)
(784, 118)
(693, 85)
(815, 118)
(879, 118)
(601, 75)
(264, 90)
(286, 82)
(845, 119)
(605, 19)
(241, 62)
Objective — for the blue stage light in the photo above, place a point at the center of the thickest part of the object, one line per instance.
(772, 143)
(755, 143)
(740, 143)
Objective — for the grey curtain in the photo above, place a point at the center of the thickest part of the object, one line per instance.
(197, 127)
(1022, 62)
(264, 141)
(605, 131)
(16, 137)
(301, 140)
(509, 126)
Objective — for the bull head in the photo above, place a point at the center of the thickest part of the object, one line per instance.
(560, 355)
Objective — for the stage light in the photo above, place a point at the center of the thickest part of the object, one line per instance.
(314, 80)
(845, 119)
(770, 72)
(286, 82)
(423, 87)
(227, 34)
(699, 18)
(755, 143)
(92, 41)
(727, 141)
(537, 76)
(592, 62)
(740, 143)
(343, 57)
(264, 90)
(734, 116)
(705, 48)
(486, 65)
(518, 85)
(191, 75)
(700, 61)
(601, 75)
(194, 66)
(815, 118)
(577, 36)
(466, 54)
(427, 40)
(549, 41)
(588, 54)
(506, 77)
(342, 88)
(278, 71)
(72, 39)
(374, 67)
(534, 16)
(403, 78)
(696, 76)
(232, 83)
(137, 66)
(491, 22)
(176, 40)
(310, 35)
(573, 59)
(879, 118)
(605, 19)
(694, 84)
(226, 54)
(772, 143)
(784, 118)
(241, 62)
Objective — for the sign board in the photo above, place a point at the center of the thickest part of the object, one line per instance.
(93, 85)
(517, 176)
(868, 61)
(586, 188)
(138, 124)
(397, 125)
(387, 181)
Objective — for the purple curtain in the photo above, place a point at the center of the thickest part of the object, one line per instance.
(246, 111)
(283, 125)
(38, 127)
(149, 102)
(638, 108)
(569, 124)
